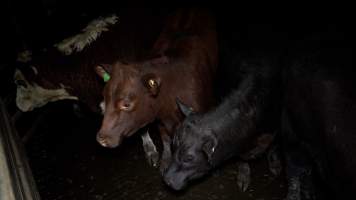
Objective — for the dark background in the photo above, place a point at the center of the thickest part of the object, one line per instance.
(65, 158)
(37, 23)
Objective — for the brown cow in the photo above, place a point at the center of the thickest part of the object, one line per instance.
(183, 65)
(66, 70)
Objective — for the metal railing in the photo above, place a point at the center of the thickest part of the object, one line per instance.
(16, 180)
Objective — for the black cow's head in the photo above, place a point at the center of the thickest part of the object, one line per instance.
(194, 144)
(198, 147)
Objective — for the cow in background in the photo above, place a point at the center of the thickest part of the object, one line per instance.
(318, 122)
(182, 64)
(66, 71)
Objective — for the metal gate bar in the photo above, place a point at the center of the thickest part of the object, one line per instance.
(16, 179)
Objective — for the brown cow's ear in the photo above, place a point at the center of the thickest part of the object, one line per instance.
(104, 71)
(152, 83)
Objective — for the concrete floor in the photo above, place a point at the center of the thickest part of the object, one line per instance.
(68, 164)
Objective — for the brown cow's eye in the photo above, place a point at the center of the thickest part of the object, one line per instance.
(125, 105)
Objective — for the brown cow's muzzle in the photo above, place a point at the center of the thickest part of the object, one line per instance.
(108, 141)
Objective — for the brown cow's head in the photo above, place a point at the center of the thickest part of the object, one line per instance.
(130, 101)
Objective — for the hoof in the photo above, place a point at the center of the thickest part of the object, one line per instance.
(274, 162)
(163, 166)
(294, 191)
(243, 176)
(152, 158)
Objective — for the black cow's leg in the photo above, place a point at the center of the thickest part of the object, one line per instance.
(149, 147)
(298, 176)
(274, 161)
(307, 187)
(166, 153)
(244, 172)
(293, 179)
(243, 176)
(298, 163)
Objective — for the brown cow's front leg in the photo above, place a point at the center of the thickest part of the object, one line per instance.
(167, 153)
(149, 147)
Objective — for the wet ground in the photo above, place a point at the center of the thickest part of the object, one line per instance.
(68, 163)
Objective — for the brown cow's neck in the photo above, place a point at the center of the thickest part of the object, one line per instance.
(167, 112)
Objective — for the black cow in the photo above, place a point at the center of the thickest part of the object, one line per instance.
(318, 124)
(238, 126)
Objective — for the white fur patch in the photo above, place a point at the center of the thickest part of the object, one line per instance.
(34, 96)
(150, 149)
(34, 70)
(24, 56)
(102, 107)
(89, 34)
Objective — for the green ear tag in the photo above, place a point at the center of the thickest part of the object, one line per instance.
(106, 77)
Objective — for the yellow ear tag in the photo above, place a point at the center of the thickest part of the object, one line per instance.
(151, 83)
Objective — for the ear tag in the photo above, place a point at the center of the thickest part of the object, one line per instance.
(106, 77)
(152, 83)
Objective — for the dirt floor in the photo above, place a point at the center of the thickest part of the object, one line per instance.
(68, 163)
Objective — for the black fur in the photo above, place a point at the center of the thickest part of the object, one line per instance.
(204, 141)
(319, 121)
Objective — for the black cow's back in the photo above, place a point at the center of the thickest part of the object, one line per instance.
(321, 111)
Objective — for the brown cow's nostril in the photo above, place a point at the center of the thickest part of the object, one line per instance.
(102, 141)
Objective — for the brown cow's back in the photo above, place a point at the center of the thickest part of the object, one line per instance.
(189, 41)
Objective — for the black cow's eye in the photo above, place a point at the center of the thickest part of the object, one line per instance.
(188, 158)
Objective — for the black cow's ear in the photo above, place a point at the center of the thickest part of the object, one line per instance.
(104, 71)
(186, 110)
(152, 83)
(209, 146)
